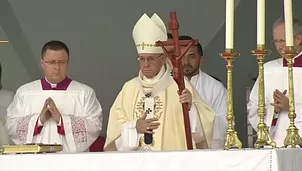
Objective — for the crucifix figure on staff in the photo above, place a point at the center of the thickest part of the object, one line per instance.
(147, 114)
(178, 74)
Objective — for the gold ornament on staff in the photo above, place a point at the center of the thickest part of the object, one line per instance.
(232, 140)
(263, 137)
(292, 138)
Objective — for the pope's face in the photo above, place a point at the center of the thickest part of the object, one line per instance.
(55, 65)
(150, 64)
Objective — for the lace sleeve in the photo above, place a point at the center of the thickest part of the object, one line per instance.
(79, 132)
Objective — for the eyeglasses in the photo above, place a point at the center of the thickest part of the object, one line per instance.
(149, 59)
(53, 63)
(281, 41)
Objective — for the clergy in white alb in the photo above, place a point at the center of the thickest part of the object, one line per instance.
(215, 95)
(276, 86)
(211, 91)
(55, 109)
(150, 104)
(278, 122)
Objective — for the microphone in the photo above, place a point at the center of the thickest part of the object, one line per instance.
(148, 138)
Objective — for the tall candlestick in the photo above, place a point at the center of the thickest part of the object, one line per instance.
(260, 22)
(229, 24)
(288, 15)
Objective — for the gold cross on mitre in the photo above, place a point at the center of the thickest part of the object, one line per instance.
(143, 45)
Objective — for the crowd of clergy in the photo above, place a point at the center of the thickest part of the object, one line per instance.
(147, 113)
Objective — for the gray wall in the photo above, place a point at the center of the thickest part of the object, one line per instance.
(99, 34)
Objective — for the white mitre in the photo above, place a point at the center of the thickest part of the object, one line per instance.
(147, 31)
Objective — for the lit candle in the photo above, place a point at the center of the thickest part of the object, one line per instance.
(260, 22)
(229, 24)
(288, 16)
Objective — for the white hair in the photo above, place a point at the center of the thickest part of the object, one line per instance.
(297, 25)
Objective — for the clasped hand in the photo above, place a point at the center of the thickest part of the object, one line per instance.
(50, 110)
(281, 101)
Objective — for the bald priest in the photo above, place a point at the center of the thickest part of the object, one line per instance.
(147, 114)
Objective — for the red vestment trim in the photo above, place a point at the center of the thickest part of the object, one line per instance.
(274, 122)
(38, 128)
(61, 129)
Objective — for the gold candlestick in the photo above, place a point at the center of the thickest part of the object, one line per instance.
(263, 137)
(232, 140)
(292, 138)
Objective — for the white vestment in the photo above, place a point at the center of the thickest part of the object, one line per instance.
(81, 116)
(129, 139)
(274, 63)
(277, 78)
(252, 106)
(215, 95)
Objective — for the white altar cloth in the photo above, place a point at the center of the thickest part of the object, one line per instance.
(207, 160)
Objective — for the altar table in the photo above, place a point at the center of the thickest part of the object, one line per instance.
(207, 160)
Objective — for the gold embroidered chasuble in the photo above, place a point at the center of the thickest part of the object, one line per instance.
(129, 106)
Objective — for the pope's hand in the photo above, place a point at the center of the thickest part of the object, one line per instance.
(144, 125)
(45, 114)
(186, 97)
